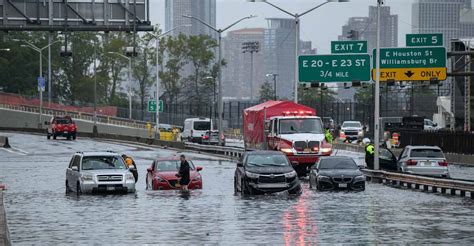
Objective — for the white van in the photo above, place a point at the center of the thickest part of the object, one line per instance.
(196, 128)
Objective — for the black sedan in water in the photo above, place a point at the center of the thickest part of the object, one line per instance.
(261, 172)
(336, 172)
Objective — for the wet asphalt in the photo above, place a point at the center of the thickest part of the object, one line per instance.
(39, 212)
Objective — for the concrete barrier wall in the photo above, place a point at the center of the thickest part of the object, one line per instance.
(27, 120)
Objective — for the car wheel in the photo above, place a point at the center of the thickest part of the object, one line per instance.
(362, 188)
(310, 183)
(68, 137)
(78, 189)
(54, 136)
(74, 137)
(319, 187)
(245, 189)
(48, 136)
(68, 190)
(235, 186)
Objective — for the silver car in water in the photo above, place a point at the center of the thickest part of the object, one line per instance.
(90, 172)
(423, 160)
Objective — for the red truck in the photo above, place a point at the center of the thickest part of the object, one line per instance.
(289, 127)
(61, 126)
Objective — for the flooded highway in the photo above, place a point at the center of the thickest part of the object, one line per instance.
(39, 212)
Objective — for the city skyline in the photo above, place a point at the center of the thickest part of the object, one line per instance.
(230, 10)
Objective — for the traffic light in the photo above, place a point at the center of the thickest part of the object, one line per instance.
(130, 51)
(66, 51)
(353, 34)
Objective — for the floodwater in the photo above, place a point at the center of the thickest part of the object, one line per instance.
(39, 211)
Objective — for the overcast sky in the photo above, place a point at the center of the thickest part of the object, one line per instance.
(320, 26)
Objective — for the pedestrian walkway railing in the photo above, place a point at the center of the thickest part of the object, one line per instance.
(79, 115)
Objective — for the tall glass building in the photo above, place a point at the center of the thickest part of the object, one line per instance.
(202, 9)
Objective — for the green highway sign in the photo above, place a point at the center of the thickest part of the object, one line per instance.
(152, 106)
(423, 57)
(334, 68)
(435, 39)
(345, 47)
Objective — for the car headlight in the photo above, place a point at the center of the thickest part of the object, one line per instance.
(323, 178)
(87, 177)
(361, 133)
(359, 178)
(290, 174)
(251, 175)
(130, 177)
(197, 178)
(159, 179)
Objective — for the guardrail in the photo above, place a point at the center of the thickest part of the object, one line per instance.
(234, 152)
(435, 185)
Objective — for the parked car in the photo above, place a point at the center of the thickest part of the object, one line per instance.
(261, 172)
(423, 160)
(429, 125)
(336, 172)
(90, 172)
(211, 137)
(352, 130)
(161, 175)
(62, 126)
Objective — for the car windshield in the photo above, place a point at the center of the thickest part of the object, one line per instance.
(170, 165)
(351, 124)
(337, 163)
(63, 121)
(290, 126)
(102, 162)
(202, 125)
(431, 153)
(267, 160)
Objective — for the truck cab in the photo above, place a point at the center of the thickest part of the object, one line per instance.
(301, 138)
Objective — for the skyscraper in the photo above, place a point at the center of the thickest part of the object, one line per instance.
(236, 74)
(366, 29)
(202, 9)
(279, 51)
(441, 16)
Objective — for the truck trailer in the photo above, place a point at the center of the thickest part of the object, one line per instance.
(288, 127)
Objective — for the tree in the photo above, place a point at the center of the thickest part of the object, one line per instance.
(200, 55)
(170, 72)
(266, 92)
(76, 76)
(142, 70)
(111, 68)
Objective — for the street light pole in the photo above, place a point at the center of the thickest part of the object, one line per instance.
(219, 31)
(274, 84)
(377, 92)
(297, 35)
(157, 47)
(40, 52)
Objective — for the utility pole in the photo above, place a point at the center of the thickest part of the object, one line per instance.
(467, 94)
(220, 99)
(377, 92)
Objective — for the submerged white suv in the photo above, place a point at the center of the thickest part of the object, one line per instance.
(90, 172)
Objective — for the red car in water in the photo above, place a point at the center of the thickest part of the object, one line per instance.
(161, 175)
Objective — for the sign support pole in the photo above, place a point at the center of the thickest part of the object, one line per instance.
(40, 125)
(377, 92)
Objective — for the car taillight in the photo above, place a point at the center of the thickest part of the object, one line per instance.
(443, 163)
(411, 163)
(205, 137)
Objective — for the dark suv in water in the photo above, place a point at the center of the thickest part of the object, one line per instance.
(261, 172)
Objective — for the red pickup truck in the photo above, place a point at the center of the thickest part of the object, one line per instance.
(62, 126)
